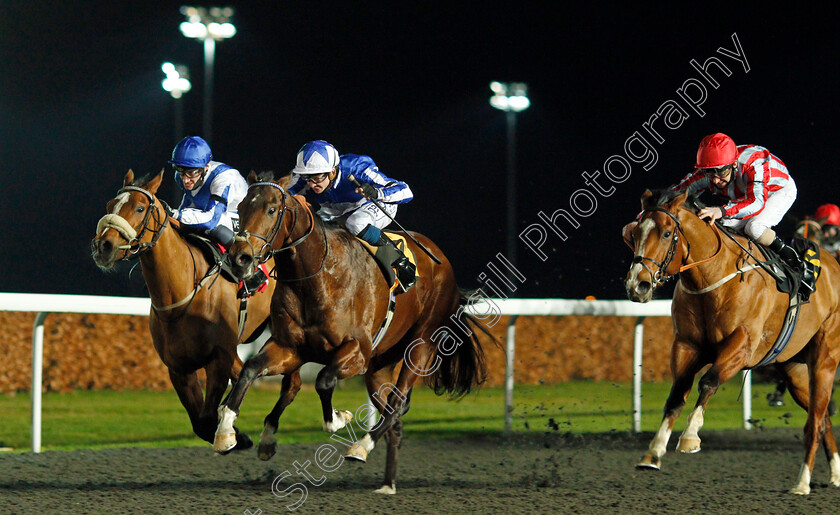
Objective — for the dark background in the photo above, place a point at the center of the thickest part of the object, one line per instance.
(406, 83)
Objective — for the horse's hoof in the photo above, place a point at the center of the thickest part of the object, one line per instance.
(339, 421)
(688, 445)
(648, 462)
(801, 490)
(266, 451)
(243, 442)
(386, 490)
(356, 453)
(225, 443)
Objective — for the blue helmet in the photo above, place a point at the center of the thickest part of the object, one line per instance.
(316, 157)
(191, 152)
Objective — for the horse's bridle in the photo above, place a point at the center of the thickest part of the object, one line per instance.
(135, 246)
(661, 275)
(267, 251)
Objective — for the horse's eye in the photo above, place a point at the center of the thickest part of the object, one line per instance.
(140, 209)
(667, 234)
(272, 211)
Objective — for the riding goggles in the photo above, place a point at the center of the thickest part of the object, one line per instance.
(316, 178)
(189, 173)
(721, 172)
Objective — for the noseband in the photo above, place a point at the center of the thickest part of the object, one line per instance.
(135, 246)
(267, 251)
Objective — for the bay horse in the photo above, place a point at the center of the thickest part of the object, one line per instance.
(330, 301)
(732, 324)
(194, 318)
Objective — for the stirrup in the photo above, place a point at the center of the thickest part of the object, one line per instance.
(406, 273)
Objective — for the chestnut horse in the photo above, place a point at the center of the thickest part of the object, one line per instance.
(330, 301)
(809, 229)
(194, 317)
(732, 324)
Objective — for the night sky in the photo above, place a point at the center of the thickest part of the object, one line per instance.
(406, 83)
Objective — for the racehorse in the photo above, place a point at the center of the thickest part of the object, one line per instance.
(194, 316)
(809, 229)
(330, 301)
(732, 324)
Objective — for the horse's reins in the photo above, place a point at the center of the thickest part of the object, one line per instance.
(661, 275)
(267, 251)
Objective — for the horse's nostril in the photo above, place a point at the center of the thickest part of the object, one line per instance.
(643, 288)
(105, 247)
(243, 259)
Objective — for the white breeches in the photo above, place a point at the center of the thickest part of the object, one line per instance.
(369, 214)
(777, 204)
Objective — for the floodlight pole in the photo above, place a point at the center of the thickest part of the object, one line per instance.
(511, 98)
(207, 26)
(209, 63)
(510, 116)
(177, 83)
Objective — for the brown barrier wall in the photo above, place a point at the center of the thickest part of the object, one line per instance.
(115, 352)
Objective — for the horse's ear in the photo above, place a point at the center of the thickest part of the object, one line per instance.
(252, 177)
(646, 199)
(154, 184)
(129, 177)
(285, 181)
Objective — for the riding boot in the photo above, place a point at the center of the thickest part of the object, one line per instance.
(390, 255)
(223, 235)
(793, 260)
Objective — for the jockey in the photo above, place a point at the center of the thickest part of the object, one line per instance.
(759, 187)
(828, 216)
(212, 191)
(320, 169)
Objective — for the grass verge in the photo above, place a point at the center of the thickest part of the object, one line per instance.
(103, 419)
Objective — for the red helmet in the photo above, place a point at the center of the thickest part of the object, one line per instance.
(828, 214)
(716, 150)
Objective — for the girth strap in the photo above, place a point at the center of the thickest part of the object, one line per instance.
(392, 305)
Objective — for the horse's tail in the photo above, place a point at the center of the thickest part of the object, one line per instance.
(464, 368)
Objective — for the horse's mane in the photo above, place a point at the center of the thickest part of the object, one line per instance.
(662, 197)
(265, 176)
(143, 181)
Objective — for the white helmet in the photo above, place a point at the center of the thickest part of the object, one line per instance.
(316, 157)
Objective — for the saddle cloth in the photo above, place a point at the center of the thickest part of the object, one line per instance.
(400, 241)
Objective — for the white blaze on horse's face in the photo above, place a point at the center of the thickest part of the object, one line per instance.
(121, 199)
(645, 227)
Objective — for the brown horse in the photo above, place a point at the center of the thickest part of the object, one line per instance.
(194, 317)
(732, 324)
(330, 301)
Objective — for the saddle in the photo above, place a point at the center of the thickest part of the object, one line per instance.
(788, 279)
(213, 252)
(389, 272)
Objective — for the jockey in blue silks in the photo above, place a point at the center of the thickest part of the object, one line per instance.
(212, 193)
(322, 171)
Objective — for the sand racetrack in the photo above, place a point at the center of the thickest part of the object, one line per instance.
(737, 472)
